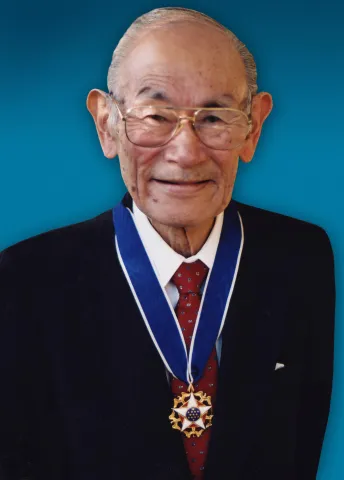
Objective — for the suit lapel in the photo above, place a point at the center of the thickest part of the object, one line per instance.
(250, 347)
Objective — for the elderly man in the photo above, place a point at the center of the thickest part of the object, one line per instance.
(182, 334)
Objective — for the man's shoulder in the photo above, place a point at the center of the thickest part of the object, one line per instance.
(276, 230)
(59, 246)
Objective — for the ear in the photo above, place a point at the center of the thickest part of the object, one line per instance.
(98, 108)
(260, 110)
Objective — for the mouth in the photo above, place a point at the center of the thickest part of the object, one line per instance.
(182, 187)
(181, 182)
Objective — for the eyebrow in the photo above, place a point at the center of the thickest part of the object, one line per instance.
(153, 93)
(156, 94)
(222, 101)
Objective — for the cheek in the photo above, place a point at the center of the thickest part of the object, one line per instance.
(127, 166)
(230, 174)
(229, 168)
(135, 167)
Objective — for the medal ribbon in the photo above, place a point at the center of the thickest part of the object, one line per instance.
(153, 303)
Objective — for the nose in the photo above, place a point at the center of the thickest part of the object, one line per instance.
(185, 148)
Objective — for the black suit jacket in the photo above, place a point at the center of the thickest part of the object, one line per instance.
(84, 394)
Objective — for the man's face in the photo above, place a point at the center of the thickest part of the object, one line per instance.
(183, 183)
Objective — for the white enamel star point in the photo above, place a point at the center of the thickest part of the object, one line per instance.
(191, 413)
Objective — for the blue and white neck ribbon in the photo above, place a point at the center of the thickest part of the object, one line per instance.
(153, 303)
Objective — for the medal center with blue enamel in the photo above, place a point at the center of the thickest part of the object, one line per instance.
(193, 414)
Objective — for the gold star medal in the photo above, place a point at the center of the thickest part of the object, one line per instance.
(191, 413)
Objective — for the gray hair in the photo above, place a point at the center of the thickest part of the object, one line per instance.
(158, 18)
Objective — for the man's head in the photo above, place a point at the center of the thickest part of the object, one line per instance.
(180, 58)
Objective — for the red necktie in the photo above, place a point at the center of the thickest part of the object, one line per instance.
(188, 279)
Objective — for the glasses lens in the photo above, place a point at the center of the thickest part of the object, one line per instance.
(150, 126)
(221, 129)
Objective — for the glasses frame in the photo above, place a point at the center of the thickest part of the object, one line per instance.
(180, 118)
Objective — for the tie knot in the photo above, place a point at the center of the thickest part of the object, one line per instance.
(189, 277)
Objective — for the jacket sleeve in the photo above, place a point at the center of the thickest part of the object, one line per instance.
(14, 378)
(319, 303)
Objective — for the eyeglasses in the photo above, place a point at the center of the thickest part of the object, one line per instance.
(154, 126)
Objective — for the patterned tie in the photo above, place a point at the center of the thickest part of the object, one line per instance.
(188, 279)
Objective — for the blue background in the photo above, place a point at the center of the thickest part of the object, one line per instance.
(52, 169)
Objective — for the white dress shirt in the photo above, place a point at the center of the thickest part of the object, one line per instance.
(166, 261)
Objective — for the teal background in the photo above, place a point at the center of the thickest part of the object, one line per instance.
(53, 173)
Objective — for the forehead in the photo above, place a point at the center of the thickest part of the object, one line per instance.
(187, 64)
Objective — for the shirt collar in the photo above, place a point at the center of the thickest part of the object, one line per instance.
(164, 259)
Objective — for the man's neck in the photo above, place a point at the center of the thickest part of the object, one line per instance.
(185, 240)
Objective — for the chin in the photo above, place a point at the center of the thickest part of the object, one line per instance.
(173, 217)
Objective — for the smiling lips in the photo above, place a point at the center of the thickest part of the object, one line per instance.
(182, 187)
(181, 182)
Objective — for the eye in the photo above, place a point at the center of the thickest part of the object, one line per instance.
(211, 119)
(156, 118)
